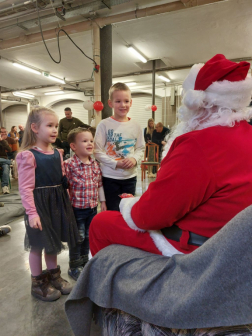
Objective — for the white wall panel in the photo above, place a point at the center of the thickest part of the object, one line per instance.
(138, 113)
(15, 115)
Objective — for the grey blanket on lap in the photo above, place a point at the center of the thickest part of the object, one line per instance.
(210, 287)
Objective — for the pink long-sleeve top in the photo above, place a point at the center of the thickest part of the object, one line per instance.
(26, 179)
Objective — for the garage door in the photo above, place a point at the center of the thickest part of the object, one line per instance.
(15, 115)
(137, 110)
(75, 105)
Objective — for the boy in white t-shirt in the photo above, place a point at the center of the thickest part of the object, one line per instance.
(119, 147)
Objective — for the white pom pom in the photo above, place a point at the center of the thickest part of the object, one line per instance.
(194, 99)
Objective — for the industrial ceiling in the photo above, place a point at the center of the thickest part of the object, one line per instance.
(176, 33)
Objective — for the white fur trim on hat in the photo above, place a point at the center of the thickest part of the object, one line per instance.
(233, 95)
(189, 82)
(125, 206)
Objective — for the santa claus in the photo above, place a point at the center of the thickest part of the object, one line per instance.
(205, 178)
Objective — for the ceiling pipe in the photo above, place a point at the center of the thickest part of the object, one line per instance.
(103, 21)
(182, 67)
(139, 73)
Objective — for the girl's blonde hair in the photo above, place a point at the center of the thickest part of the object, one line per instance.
(150, 130)
(34, 117)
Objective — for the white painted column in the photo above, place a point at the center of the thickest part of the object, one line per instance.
(28, 108)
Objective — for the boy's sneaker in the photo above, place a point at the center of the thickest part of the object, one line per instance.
(4, 230)
(74, 273)
(75, 268)
(5, 190)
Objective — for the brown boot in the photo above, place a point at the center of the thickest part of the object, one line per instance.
(58, 282)
(42, 289)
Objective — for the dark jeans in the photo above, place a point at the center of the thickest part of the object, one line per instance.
(5, 172)
(83, 218)
(11, 155)
(65, 145)
(113, 188)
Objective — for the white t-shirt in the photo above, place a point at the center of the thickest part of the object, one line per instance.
(115, 140)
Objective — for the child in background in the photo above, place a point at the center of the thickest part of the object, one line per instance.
(85, 185)
(119, 147)
(49, 217)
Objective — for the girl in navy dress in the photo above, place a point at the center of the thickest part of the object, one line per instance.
(49, 218)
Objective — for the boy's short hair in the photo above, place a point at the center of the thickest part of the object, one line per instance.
(71, 138)
(118, 87)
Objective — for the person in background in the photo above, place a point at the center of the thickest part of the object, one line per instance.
(119, 147)
(5, 164)
(15, 146)
(14, 133)
(21, 133)
(4, 136)
(85, 187)
(148, 132)
(49, 217)
(66, 125)
(159, 135)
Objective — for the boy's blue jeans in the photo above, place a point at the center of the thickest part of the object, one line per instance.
(83, 219)
(5, 164)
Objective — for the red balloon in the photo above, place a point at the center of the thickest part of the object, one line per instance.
(98, 106)
(154, 108)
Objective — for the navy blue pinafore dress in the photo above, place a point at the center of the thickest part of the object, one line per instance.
(53, 207)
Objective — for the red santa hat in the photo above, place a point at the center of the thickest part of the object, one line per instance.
(219, 82)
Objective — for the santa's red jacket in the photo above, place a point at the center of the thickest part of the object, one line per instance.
(203, 182)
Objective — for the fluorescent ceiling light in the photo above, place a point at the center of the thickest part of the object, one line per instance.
(137, 54)
(131, 83)
(3, 100)
(164, 78)
(54, 93)
(26, 68)
(56, 79)
(22, 94)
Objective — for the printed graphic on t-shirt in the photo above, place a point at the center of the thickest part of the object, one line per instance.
(118, 147)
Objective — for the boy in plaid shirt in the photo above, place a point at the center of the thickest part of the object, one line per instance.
(85, 186)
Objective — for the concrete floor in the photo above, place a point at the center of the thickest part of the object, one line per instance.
(20, 313)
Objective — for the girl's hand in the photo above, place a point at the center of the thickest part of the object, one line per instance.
(129, 163)
(103, 206)
(35, 223)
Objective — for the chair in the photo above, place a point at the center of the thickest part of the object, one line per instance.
(151, 158)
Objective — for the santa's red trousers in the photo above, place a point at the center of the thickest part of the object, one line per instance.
(109, 228)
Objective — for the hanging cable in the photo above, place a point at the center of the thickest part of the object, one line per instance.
(57, 36)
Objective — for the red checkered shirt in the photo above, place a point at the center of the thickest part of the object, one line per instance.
(84, 181)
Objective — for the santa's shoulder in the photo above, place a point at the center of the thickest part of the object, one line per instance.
(217, 135)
